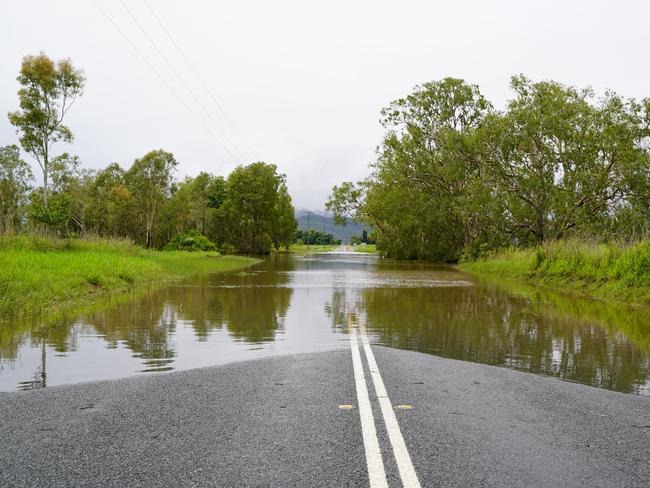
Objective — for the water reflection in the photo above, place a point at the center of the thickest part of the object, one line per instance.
(487, 325)
(290, 304)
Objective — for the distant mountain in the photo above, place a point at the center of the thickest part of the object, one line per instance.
(324, 222)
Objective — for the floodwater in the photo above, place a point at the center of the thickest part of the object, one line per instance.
(293, 304)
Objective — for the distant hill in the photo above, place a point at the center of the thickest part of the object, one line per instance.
(323, 222)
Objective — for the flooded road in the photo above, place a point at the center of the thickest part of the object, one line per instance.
(294, 304)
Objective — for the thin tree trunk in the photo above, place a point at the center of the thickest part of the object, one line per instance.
(45, 168)
(45, 188)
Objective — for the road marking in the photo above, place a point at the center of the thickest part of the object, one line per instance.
(374, 461)
(402, 457)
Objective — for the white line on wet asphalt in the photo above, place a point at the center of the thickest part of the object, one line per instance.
(376, 471)
(402, 457)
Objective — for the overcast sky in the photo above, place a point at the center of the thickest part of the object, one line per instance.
(301, 83)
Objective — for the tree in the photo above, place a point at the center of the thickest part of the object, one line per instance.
(284, 223)
(425, 173)
(69, 178)
(453, 177)
(149, 180)
(560, 163)
(47, 91)
(15, 175)
(315, 237)
(256, 210)
(110, 211)
(56, 215)
(191, 199)
(216, 192)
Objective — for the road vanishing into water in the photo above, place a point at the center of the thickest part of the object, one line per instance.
(355, 413)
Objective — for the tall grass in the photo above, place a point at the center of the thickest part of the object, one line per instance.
(46, 274)
(615, 271)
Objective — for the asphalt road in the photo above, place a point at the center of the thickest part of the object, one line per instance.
(277, 422)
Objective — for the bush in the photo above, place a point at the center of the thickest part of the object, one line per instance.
(192, 240)
(227, 248)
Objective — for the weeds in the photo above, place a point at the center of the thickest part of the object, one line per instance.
(610, 270)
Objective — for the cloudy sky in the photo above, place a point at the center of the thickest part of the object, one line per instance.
(300, 83)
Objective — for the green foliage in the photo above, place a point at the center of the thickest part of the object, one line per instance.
(149, 180)
(455, 179)
(423, 175)
(216, 192)
(191, 240)
(47, 91)
(15, 175)
(315, 237)
(56, 215)
(227, 248)
(613, 271)
(249, 212)
(366, 248)
(256, 211)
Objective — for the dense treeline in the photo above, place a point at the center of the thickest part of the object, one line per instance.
(316, 237)
(249, 212)
(453, 176)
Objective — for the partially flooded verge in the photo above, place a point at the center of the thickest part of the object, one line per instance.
(46, 275)
(292, 303)
(616, 272)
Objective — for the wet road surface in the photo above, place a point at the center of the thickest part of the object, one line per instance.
(278, 422)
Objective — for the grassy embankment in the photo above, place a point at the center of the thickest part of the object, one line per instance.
(50, 275)
(618, 272)
(304, 249)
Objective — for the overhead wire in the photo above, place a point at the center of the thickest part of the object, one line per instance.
(181, 79)
(164, 81)
(200, 79)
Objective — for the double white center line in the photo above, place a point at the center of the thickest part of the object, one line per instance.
(376, 471)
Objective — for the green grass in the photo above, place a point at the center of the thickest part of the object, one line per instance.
(367, 248)
(48, 275)
(304, 249)
(613, 271)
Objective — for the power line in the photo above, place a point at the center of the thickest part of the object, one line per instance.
(182, 80)
(155, 71)
(198, 77)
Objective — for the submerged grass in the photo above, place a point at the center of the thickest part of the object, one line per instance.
(613, 271)
(40, 274)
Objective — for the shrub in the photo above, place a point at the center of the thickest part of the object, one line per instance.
(227, 248)
(192, 240)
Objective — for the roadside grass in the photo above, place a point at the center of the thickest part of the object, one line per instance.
(305, 249)
(612, 271)
(367, 248)
(40, 274)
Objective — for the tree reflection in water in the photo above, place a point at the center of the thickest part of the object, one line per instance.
(250, 305)
(405, 305)
(585, 341)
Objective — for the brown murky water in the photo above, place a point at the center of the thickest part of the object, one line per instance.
(292, 304)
